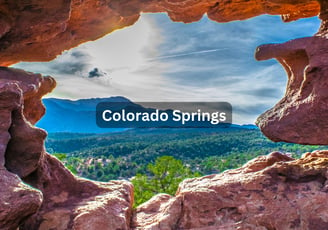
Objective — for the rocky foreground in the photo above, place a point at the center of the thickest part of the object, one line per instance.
(38, 192)
(39, 30)
(270, 192)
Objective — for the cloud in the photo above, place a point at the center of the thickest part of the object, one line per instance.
(261, 93)
(76, 62)
(187, 54)
(96, 73)
(159, 60)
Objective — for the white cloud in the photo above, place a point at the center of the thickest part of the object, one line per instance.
(157, 60)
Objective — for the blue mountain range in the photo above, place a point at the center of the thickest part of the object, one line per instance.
(79, 116)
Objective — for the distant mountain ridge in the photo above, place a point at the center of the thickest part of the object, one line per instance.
(79, 116)
(63, 115)
(83, 104)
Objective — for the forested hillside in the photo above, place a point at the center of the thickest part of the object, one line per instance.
(122, 155)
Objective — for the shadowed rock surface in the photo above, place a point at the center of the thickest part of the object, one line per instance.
(269, 192)
(303, 111)
(60, 200)
(38, 30)
(18, 201)
(301, 116)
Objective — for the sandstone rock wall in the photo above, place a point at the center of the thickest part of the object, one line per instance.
(272, 192)
(269, 192)
(301, 115)
(38, 192)
(38, 30)
(52, 197)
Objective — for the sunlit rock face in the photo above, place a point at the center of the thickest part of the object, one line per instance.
(301, 115)
(20, 101)
(273, 192)
(39, 30)
(57, 199)
(269, 192)
(17, 200)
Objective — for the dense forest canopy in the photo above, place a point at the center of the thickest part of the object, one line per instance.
(123, 155)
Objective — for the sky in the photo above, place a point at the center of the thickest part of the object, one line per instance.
(160, 60)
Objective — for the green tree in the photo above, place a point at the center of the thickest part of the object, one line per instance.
(163, 177)
(60, 156)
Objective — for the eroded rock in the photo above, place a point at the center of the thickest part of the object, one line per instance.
(18, 201)
(270, 192)
(22, 143)
(160, 212)
(302, 112)
(301, 115)
(39, 30)
(76, 203)
(60, 200)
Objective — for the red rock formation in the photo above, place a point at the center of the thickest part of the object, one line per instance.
(270, 192)
(18, 201)
(62, 201)
(19, 88)
(304, 109)
(76, 203)
(273, 192)
(38, 30)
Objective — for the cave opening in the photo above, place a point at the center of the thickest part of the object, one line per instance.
(199, 62)
(202, 61)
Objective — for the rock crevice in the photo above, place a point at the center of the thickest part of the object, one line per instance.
(302, 111)
(39, 30)
(58, 199)
(270, 192)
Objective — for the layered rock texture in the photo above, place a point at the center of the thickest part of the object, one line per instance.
(37, 191)
(270, 192)
(38, 30)
(301, 116)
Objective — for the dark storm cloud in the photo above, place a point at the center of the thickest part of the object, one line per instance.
(80, 54)
(96, 73)
(70, 68)
(75, 62)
